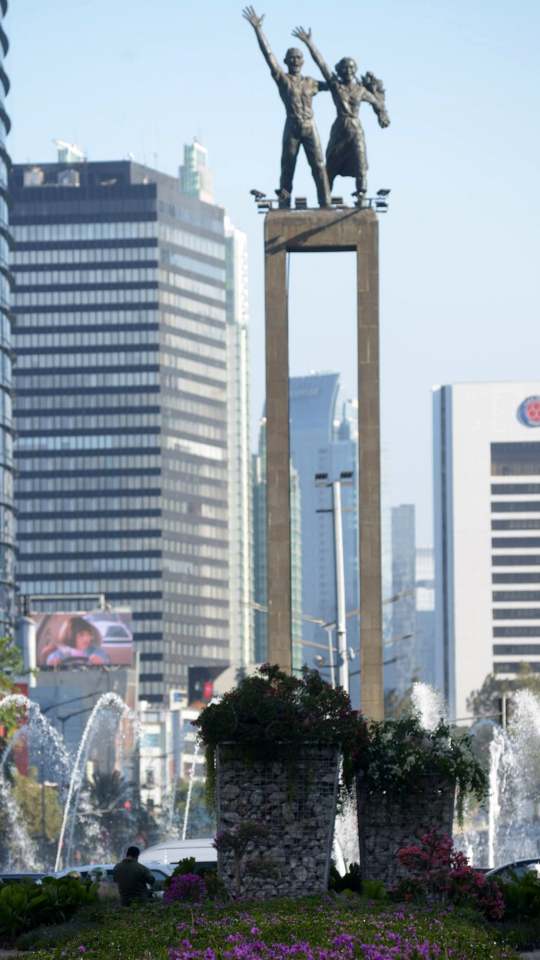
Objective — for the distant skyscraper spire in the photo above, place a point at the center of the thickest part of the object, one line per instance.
(7, 553)
(195, 175)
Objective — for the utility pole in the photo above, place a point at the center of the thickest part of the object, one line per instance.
(341, 623)
(321, 480)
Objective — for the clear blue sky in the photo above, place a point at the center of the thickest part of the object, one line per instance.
(459, 247)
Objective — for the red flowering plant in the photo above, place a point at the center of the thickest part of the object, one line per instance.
(439, 872)
(271, 715)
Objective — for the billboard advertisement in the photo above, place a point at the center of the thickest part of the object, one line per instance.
(201, 684)
(92, 638)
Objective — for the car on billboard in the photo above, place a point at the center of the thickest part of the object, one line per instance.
(87, 638)
(117, 635)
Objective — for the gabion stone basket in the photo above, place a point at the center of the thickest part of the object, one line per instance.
(296, 800)
(388, 823)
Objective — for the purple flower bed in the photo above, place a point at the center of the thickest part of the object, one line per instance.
(314, 928)
(187, 887)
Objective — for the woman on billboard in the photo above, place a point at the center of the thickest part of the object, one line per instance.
(77, 639)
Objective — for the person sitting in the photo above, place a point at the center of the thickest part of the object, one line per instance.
(81, 639)
(132, 877)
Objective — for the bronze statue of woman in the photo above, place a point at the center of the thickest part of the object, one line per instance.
(346, 151)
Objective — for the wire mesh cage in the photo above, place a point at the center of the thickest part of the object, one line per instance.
(295, 799)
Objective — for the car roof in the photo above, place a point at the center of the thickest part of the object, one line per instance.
(180, 844)
(87, 867)
(513, 864)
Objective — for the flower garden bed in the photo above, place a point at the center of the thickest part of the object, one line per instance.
(314, 928)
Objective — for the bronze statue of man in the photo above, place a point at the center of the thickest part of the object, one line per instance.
(346, 151)
(297, 93)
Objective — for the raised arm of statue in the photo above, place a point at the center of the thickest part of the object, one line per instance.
(256, 23)
(305, 36)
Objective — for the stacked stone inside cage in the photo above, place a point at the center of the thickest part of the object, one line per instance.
(295, 798)
(386, 823)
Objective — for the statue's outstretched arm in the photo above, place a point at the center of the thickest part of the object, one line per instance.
(256, 23)
(373, 93)
(305, 36)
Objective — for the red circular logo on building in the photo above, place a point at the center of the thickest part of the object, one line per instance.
(529, 412)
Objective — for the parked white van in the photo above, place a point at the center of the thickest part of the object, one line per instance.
(172, 851)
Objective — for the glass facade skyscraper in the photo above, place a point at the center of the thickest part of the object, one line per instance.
(239, 457)
(324, 440)
(122, 405)
(7, 552)
(405, 650)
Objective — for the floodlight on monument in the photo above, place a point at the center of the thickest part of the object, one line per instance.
(346, 475)
(301, 203)
(383, 193)
(337, 201)
(257, 194)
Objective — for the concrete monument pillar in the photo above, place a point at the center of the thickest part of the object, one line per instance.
(310, 231)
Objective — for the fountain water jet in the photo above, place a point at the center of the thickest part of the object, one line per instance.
(39, 734)
(186, 733)
(107, 702)
(190, 789)
(429, 704)
(497, 748)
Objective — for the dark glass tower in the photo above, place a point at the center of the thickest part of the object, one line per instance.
(7, 553)
(121, 405)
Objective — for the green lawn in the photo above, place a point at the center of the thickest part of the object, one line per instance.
(315, 928)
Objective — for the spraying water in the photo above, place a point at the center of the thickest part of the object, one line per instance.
(190, 789)
(40, 733)
(429, 704)
(22, 850)
(186, 733)
(346, 832)
(496, 752)
(49, 750)
(108, 702)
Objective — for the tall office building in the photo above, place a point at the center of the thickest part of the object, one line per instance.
(404, 651)
(324, 436)
(239, 448)
(122, 405)
(425, 613)
(260, 551)
(324, 440)
(195, 175)
(486, 451)
(386, 554)
(7, 552)
(260, 559)
(196, 181)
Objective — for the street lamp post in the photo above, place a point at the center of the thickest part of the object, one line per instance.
(341, 624)
(341, 617)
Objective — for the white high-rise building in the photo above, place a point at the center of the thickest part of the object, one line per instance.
(487, 533)
(239, 454)
(195, 175)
